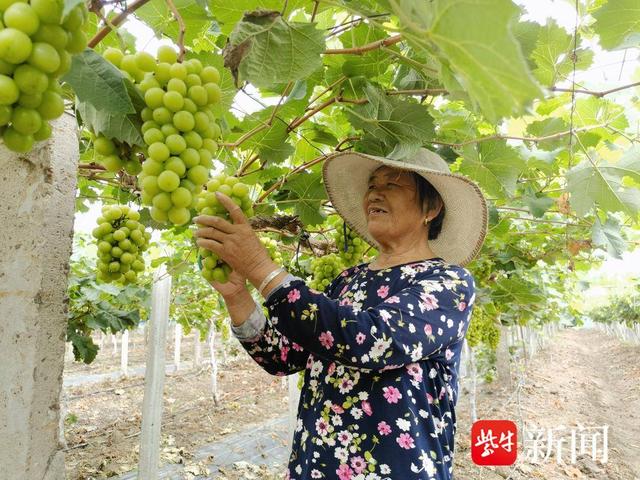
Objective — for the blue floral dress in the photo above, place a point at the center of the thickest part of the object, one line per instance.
(381, 351)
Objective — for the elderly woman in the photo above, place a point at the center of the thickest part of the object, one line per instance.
(381, 347)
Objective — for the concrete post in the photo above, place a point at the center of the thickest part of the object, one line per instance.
(37, 204)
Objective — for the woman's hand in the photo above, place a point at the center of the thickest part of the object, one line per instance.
(232, 289)
(235, 243)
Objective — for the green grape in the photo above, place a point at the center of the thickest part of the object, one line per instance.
(111, 162)
(30, 80)
(168, 181)
(48, 11)
(210, 74)
(23, 17)
(103, 146)
(208, 204)
(153, 97)
(52, 105)
(9, 92)
(120, 252)
(176, 144)
(145, 62)
(173, 101)
(15, 45)
(179, 70)
(324, 269)
(16, 141)
(183, 121)
(175, 164)
(45, 57)
(167, 54)
(113, 55)
(54, 35)
(30, 101)
(26, 120)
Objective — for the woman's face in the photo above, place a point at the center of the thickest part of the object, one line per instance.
(391, 206)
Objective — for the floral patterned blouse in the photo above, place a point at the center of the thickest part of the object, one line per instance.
(381, 351)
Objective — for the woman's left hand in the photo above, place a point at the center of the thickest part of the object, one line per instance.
(235, 243)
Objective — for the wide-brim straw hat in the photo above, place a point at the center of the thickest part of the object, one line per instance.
(346, 178)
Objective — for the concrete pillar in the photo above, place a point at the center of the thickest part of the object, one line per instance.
(37, 204)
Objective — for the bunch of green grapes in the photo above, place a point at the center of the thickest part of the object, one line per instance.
(115, 156)
(207, 203)
(272, 247)
(324, 270)
(355, 247)
(179, 128)
(482, 330)
(121, 239)
(36, 45)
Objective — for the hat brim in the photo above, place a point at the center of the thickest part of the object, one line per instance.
(346, 176)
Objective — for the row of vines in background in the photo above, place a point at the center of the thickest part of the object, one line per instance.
(557, 161)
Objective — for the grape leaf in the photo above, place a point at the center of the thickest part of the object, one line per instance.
(600, 184)
(401, 125)
(306, 194)
(618, 24)
(228, 13)
(125, 128)
(97, 82)
(158, 16)
(265, 50)
(482, 53)
(608, 236)
(494, 165)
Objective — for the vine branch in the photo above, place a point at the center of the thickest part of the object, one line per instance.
(115, 22)
(598, 94)
(512, 137)
(385, 42)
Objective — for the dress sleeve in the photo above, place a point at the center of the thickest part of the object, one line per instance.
(274, 352)
(417, 322)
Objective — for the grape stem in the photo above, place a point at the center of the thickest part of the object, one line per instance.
(115, 22)
(181, 26)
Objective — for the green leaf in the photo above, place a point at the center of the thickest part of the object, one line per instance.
(158, 16)
(494, 165)
(370, 64)
(608, 236)
(546, 127)
(515, 290)
(83, 347)
(265, 50)
(392, 121)
(600, 184)
(98, 83)
(228, 13)
(125, 128)
(306, 194)
(538, 204)
(618, 24)
(475, 39)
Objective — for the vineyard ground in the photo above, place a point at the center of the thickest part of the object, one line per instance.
(581, 377)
